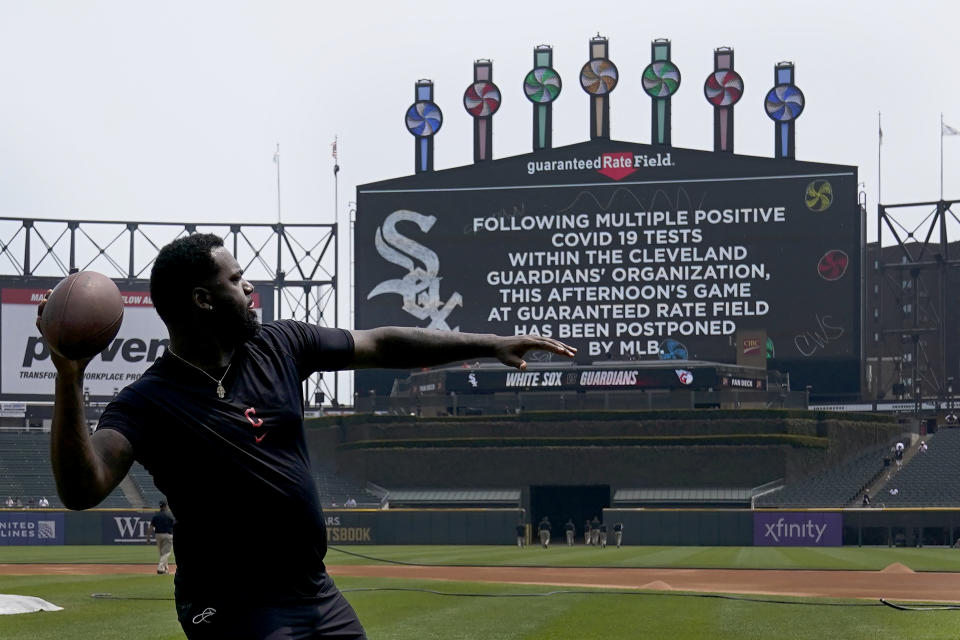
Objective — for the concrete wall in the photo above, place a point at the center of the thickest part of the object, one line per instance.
(666, 527)
(517, 467)
(726, 448)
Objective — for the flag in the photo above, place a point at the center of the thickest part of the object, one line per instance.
(333, 147)
(276, 156)
(947, 130)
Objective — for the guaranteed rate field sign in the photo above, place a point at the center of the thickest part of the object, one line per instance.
(628, 252)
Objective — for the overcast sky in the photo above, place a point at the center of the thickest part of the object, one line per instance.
(121, 109)
(171, 111)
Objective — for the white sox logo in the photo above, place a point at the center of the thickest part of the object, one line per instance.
(420, 288)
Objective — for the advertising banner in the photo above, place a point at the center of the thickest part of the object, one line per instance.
(743, 382)
(31, 528)
(125, 527)
(599, 378)
(351, 528)
(626, 252)
(27, 372)
(797, 529)
(13, 409)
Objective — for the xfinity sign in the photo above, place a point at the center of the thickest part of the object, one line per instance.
(797, 529)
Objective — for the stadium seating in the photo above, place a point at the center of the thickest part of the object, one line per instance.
(335, 489)
(688, 497)
(25, 460)
(837, 486)
(928, 479)
(25, 473)
(458, 498)
(144, 483)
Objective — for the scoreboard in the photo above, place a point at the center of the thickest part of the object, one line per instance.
(626, 251)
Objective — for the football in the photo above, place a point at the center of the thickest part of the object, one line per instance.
(82, 315)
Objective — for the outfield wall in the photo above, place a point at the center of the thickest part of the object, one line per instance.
(344, 526)
(660, 527)
(787, 527)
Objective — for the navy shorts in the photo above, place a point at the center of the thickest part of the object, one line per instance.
(329, 616)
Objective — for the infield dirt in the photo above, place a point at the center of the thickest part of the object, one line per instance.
(895, 582)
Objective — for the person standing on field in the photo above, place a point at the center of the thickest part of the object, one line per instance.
(217, 420)
(571, 530)
(521, 535)
(618, 533)
(544, 529)
(161, 529)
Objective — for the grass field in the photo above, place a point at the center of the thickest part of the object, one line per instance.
(847, 558)
(395, 609)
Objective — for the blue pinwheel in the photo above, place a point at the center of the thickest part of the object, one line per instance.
(424, 118)
(784, 103)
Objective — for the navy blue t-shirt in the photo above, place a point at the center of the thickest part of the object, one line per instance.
(236, 471)
(162, 522)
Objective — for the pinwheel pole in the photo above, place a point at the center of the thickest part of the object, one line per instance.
(723, 89)
(598, 77)
(661, 79)
(481, 100)
(542, 86)
(784, 104)
(423, 120)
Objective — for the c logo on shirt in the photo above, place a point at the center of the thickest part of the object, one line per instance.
(249, 413)
(256, 422)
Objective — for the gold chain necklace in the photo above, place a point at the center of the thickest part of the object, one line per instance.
(221, 392)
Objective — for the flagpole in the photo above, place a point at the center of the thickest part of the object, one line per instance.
(336, 259)
(879, 166)
(336, 171)
(276, 161)
(941, 155)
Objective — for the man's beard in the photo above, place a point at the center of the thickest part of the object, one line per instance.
(236, 325)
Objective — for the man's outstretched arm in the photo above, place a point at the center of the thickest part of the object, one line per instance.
(406, 347)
